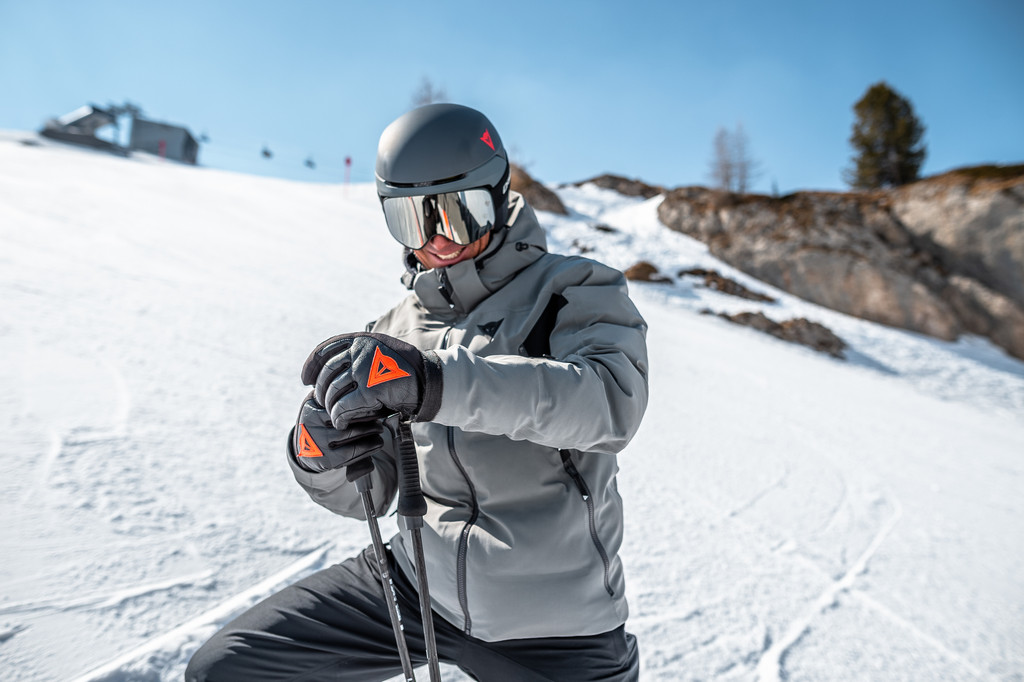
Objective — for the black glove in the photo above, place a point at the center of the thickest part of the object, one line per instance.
(318, 446)
(371, 376)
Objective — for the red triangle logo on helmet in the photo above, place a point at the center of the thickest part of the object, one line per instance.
(486, 137)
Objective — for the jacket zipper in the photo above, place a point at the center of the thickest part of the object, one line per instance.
(445, 287)
(464, 537)
(461, 560)
(575, 475)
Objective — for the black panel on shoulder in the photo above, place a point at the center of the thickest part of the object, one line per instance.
(538, 342)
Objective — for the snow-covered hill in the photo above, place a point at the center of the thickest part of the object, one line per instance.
(790, 516)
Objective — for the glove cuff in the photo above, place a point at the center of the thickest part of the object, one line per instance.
(433, 387)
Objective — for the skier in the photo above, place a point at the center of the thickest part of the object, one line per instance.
(524, 373)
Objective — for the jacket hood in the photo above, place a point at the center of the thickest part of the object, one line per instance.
(457, 289)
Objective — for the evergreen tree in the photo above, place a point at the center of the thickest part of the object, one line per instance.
(887, 140)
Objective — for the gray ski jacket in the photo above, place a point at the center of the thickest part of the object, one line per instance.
(545, 379)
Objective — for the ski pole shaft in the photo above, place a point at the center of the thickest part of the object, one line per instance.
(425, 608)
(412, 506)
(360, 474)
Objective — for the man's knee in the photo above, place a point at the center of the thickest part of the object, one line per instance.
(211, 662)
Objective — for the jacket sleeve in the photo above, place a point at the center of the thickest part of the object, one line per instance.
(590, 395)
(331, 490)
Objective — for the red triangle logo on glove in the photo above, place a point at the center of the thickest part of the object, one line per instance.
(383, 369)
(307, 446)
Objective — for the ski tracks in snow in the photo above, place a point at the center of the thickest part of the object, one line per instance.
(903, 623)
(171, 650)
(754, 499)
(90, 404)
(104, 600)
(770, 665)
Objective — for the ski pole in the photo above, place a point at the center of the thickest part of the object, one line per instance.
(359, 473)
(411, 508)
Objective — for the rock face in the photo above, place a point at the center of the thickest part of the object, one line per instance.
(943, 256)
(973, 220)
(975, 217)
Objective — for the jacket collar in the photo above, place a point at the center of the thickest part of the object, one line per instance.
(460, 288)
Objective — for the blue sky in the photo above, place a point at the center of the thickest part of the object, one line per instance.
(576, 89)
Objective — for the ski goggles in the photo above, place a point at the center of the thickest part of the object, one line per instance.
(463, 217)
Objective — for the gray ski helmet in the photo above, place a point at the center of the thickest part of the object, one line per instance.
(442, 148)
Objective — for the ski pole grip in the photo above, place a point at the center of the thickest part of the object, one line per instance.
(410, 497)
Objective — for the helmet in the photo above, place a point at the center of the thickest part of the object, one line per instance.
(442, 169)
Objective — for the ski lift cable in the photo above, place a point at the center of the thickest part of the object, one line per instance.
(332, 165)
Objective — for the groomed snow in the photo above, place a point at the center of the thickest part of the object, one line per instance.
(789, 516)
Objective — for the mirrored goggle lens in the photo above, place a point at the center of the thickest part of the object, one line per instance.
(462, 217)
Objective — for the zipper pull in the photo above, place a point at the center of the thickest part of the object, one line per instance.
(445, 287)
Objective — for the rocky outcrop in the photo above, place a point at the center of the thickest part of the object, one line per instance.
(943, 257)
(646, 272)
(624, 186)
(537, 195)
(798, 330)
(715, 280)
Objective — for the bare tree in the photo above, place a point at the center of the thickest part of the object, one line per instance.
(721, 161)
(733, 169)
(428, 94)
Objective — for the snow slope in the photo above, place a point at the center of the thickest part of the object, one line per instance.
(789, 516)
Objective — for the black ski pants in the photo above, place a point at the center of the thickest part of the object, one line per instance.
(334, 625)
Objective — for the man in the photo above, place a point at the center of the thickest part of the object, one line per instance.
(524, 374)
